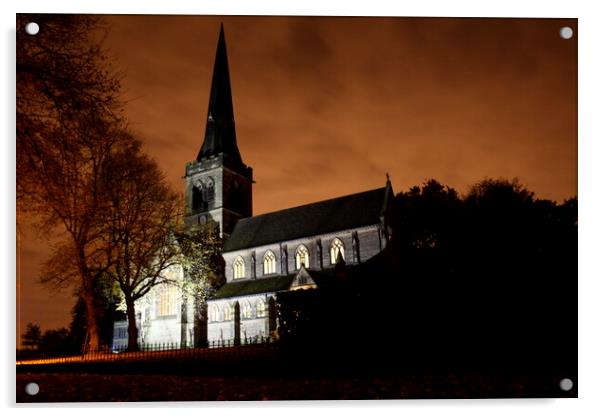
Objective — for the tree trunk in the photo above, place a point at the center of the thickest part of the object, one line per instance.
(132, 328)
(93, 343)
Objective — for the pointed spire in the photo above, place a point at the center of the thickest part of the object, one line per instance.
(220, 134)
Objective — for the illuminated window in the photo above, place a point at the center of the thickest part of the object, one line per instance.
(269, 263)
(228, 313)
(301, 257)
(247, 312)
(213, 313)
(260, 306)
(166, 300)
(336, 248)
(121, 333)
(239, 268)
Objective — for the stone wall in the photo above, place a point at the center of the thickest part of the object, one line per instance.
(233, 197)
(369, 239)
(253, 327)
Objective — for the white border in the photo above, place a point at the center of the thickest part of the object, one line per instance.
(590, 137)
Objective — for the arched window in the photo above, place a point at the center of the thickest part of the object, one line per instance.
(269, 263)
(213, 313)
(260, 307)
(210, 187)
(247, 312)
(239, 268)
(197, 196)
(336, 248)
(227, 313)
(166, 300)
(301, 257)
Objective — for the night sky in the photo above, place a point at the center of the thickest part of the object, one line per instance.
(326, 106)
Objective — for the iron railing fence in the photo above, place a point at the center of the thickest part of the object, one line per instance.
(257, 346)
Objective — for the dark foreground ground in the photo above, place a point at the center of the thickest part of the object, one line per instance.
(267, 372)
(69, 387)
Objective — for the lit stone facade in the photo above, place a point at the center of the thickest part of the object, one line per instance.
(162, 316)
(254, 318)
(369, 243)
(256, 321)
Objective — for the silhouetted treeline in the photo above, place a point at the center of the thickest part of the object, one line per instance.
(107, 313)
(486, 283)
(71, 340)
(50, 342)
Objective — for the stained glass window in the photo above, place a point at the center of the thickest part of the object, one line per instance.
(213, 313)
(269, 263)
(228, 313)
(336, 248)
(261, 310)
(301, 257)
(166, 300)
(247, 312)
(239, 268)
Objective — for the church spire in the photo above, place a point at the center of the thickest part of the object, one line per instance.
(220, 134)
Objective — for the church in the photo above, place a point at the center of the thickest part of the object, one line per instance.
(290, 249)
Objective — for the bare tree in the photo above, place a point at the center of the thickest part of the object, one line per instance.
(63, 78)
(138, 229)
(75, 196)
(68, 126)
(32, 336)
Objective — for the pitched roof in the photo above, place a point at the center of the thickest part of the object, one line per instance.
(250, 287)
(343, 213)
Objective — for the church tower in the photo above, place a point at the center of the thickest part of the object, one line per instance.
(218, 183)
